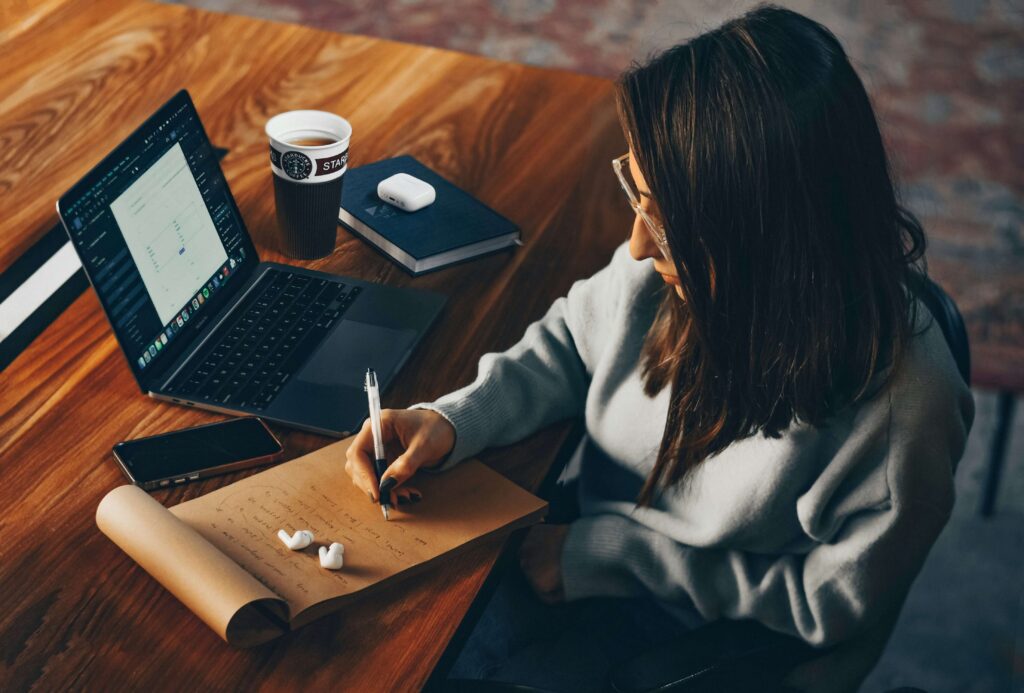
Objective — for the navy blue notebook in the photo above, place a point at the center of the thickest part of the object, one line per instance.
(454, 228)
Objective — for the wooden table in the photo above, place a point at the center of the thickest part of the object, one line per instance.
(77, 77)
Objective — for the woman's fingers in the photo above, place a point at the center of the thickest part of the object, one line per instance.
(362, 476)
(401, 470)
(424, 439)
(404, 466)
(359, 464)
(406, 495)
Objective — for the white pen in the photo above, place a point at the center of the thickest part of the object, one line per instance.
(380, 462)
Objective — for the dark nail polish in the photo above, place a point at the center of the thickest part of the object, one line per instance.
(387, 484)
(417, 499)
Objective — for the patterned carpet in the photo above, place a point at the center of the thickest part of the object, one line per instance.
(947, 79)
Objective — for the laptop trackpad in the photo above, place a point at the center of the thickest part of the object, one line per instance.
(353, 347)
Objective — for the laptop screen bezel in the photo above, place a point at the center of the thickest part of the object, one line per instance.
(152, 376)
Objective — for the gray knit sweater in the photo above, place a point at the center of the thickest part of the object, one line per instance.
(815, 534)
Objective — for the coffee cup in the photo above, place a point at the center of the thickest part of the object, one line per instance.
(308, 158)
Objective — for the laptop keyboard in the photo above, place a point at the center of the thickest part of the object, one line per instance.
(273, 333)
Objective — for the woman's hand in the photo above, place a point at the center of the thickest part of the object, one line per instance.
(540, 557)
(422, 437)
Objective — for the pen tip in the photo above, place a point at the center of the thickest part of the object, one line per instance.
(384, 509)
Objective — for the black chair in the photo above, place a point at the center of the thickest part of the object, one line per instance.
(743, 656)
(945, 312)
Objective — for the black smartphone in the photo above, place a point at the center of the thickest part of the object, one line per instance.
(198, 452)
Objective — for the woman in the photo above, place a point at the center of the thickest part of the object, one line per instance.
(772, 420)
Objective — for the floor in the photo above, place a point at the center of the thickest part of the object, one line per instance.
(947, 79)
(962, 628)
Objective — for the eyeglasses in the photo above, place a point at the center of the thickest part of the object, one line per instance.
(657, 230)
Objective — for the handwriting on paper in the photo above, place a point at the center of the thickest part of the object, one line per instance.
(313, 493)
(244, 524)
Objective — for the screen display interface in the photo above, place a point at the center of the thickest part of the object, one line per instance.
(158, 233)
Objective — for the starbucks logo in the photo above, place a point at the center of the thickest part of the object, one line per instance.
(297, 165)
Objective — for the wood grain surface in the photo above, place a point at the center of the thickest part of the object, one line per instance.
(80, 75)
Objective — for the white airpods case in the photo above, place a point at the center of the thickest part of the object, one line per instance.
(406, 192)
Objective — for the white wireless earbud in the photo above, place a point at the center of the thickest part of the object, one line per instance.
(298, 541)
(332, 558)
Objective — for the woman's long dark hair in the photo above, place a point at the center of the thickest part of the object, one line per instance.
(762, 152)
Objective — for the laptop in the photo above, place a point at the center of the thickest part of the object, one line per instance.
(201, 321)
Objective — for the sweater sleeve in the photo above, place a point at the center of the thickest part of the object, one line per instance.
(541, 379)
(867, 549)
(823, 597)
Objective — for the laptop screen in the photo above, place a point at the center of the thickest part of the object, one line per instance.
(160, 237)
